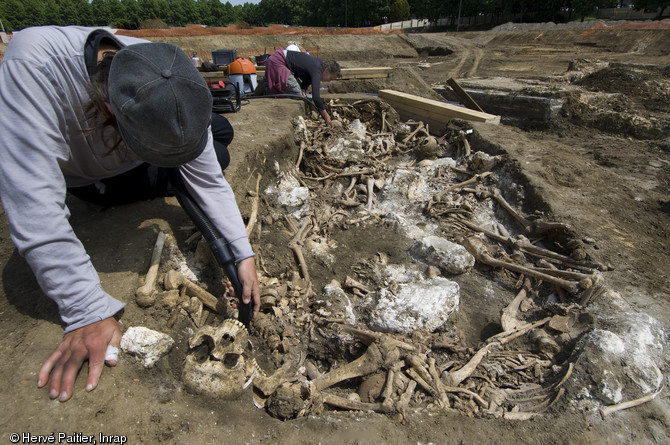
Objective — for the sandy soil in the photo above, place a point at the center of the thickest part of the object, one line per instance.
(602, 167)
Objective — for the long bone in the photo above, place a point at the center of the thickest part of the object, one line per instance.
(351, 283)
(523, 222)
(268, 384)
(479, 250)
(509, 319)
(387, 392)
(456, 377)
(370, 183)
(296, 244)
(175, 280)
(607, 410)
(439, 195)
(526, 246)
(254, 207)
(381, 353)
(145, 295)
(341, 402)
(406, 397)
(413, 133)
(369, 337)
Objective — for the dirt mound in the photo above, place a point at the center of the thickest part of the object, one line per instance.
(648, 86)
(652, 24)
(272, 30)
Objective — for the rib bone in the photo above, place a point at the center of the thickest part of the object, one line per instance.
(607, 410)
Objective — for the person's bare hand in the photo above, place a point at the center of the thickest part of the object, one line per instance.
(246, 273)
(88, 342)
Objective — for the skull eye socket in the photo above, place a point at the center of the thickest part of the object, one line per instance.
(201, 352)
(230, 360)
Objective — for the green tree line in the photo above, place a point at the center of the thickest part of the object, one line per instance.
(129, 14)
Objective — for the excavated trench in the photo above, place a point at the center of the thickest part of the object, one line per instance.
(360, 250)
(404, 269)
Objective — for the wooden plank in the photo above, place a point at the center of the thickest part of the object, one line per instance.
(368, 70)
(365, 73)
(352, 73)
(214, 75)
(346, 73)
(467, 100)
(435, 127)
(434, 109)
(444, 115)
(363, 76)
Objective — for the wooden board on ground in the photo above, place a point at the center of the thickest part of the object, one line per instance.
(346, 73)
(365, 73)
(215, 75)
(434, 110)
(352, 73)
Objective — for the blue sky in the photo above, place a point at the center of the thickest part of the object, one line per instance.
(241, 2)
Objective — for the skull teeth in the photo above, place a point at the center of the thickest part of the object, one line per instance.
(236, 322)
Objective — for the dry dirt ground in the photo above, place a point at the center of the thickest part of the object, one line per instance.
(601, 166)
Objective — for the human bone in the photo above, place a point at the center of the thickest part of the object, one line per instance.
(215, 364)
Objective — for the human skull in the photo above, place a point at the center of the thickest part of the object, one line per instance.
(215, 364)
(428, 148)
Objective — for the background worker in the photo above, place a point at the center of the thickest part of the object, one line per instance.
(292, 72)
(104, 117)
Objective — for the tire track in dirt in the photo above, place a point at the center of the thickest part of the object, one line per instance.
(468, 57)
(464, 55)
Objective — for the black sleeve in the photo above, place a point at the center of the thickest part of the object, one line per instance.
(307, 70)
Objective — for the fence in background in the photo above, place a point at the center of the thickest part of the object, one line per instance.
(498, 19)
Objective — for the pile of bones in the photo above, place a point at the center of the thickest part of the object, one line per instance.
(326, 348)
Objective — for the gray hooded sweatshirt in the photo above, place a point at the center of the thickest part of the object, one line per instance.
(44, 149)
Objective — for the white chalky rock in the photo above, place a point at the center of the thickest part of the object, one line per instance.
(347, 150)
(450, 258)
(358, 129)
(295, 200)
(300, 131)
(633, 354)
(146, 344)
(289, 194)
(422, 304)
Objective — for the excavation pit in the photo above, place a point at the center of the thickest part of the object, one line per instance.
(441, 271)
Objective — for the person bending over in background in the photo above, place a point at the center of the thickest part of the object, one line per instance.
(292, 72)
(104, 118)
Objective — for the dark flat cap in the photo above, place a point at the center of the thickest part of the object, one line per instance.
(161, 103)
